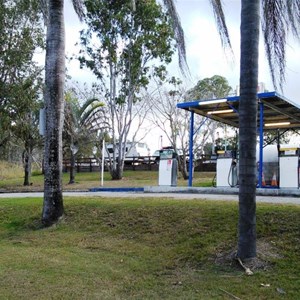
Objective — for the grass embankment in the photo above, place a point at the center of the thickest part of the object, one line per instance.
(12, 178)
(10, 170)
(143, 249)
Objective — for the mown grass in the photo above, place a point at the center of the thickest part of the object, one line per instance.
(86, 180)
(142, 249)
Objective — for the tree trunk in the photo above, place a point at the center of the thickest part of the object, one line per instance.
(72, 168)
(182, 166)
(247, 128)
(27, 159)
(54, 111)
(117, 171)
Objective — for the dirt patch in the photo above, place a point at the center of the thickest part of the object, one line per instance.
(266, 254)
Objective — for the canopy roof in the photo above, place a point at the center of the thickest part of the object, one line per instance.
(278, 112)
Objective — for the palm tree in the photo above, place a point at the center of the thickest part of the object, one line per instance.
(82, 124)
(54, 108)
(250, 23)
(279, 17)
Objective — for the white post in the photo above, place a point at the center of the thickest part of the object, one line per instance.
(102, 164)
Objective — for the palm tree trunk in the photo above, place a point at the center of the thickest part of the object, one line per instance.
(54, 107)
(247, 128)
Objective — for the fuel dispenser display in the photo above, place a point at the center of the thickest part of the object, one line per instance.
(288, 166)
(227, 169)
(167, 173)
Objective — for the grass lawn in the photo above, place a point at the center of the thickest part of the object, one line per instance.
(143, 249)
(86, 180)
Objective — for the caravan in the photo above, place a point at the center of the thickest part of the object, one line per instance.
(133, 150)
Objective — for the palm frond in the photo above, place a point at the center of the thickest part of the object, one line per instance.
(44, 9)
(91, 113)
(79, 8)
(221, 23)
(274, 29)
(293, 15)
(77, 4)
(279, 18)
(179, 35)
(88, 103)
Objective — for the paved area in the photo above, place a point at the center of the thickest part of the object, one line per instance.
(172, 195)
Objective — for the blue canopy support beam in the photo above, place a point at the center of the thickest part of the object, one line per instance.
(191, 146)
(261, 144)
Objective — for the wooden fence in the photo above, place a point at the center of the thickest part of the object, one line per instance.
(146, 163)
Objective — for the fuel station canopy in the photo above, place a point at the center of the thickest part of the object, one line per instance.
(278, 112)
(274, 112)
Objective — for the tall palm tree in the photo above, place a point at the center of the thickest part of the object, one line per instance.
(54, 108)
(250, 23)
(279, 17)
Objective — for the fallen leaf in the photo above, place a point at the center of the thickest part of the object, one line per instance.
(280, 291)
(265, 284)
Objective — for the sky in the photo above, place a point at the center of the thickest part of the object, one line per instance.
(205, 55)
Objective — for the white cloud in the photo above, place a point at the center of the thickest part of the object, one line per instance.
(204, 53)
(206, 57)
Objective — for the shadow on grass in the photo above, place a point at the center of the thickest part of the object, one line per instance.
(18, 227)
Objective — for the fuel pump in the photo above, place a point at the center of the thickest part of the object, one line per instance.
(167, 173)
(288, 166)
(227, 168)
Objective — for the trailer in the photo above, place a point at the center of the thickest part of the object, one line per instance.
(134, 151)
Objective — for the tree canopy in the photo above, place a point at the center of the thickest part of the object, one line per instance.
(209, 88)
(21, 33)
(125, 45)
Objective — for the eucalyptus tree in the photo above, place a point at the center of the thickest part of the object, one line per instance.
(21, 33)
(23, 111)
(122, 39)
(209, 88)
(175, 122)
(54, 107)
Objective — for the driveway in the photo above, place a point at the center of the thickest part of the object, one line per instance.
(212, 197)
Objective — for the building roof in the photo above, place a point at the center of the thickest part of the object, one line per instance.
(278, 111)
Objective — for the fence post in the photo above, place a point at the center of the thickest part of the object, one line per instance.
(78, 166)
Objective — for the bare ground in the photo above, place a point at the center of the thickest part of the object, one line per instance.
(266, 253)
